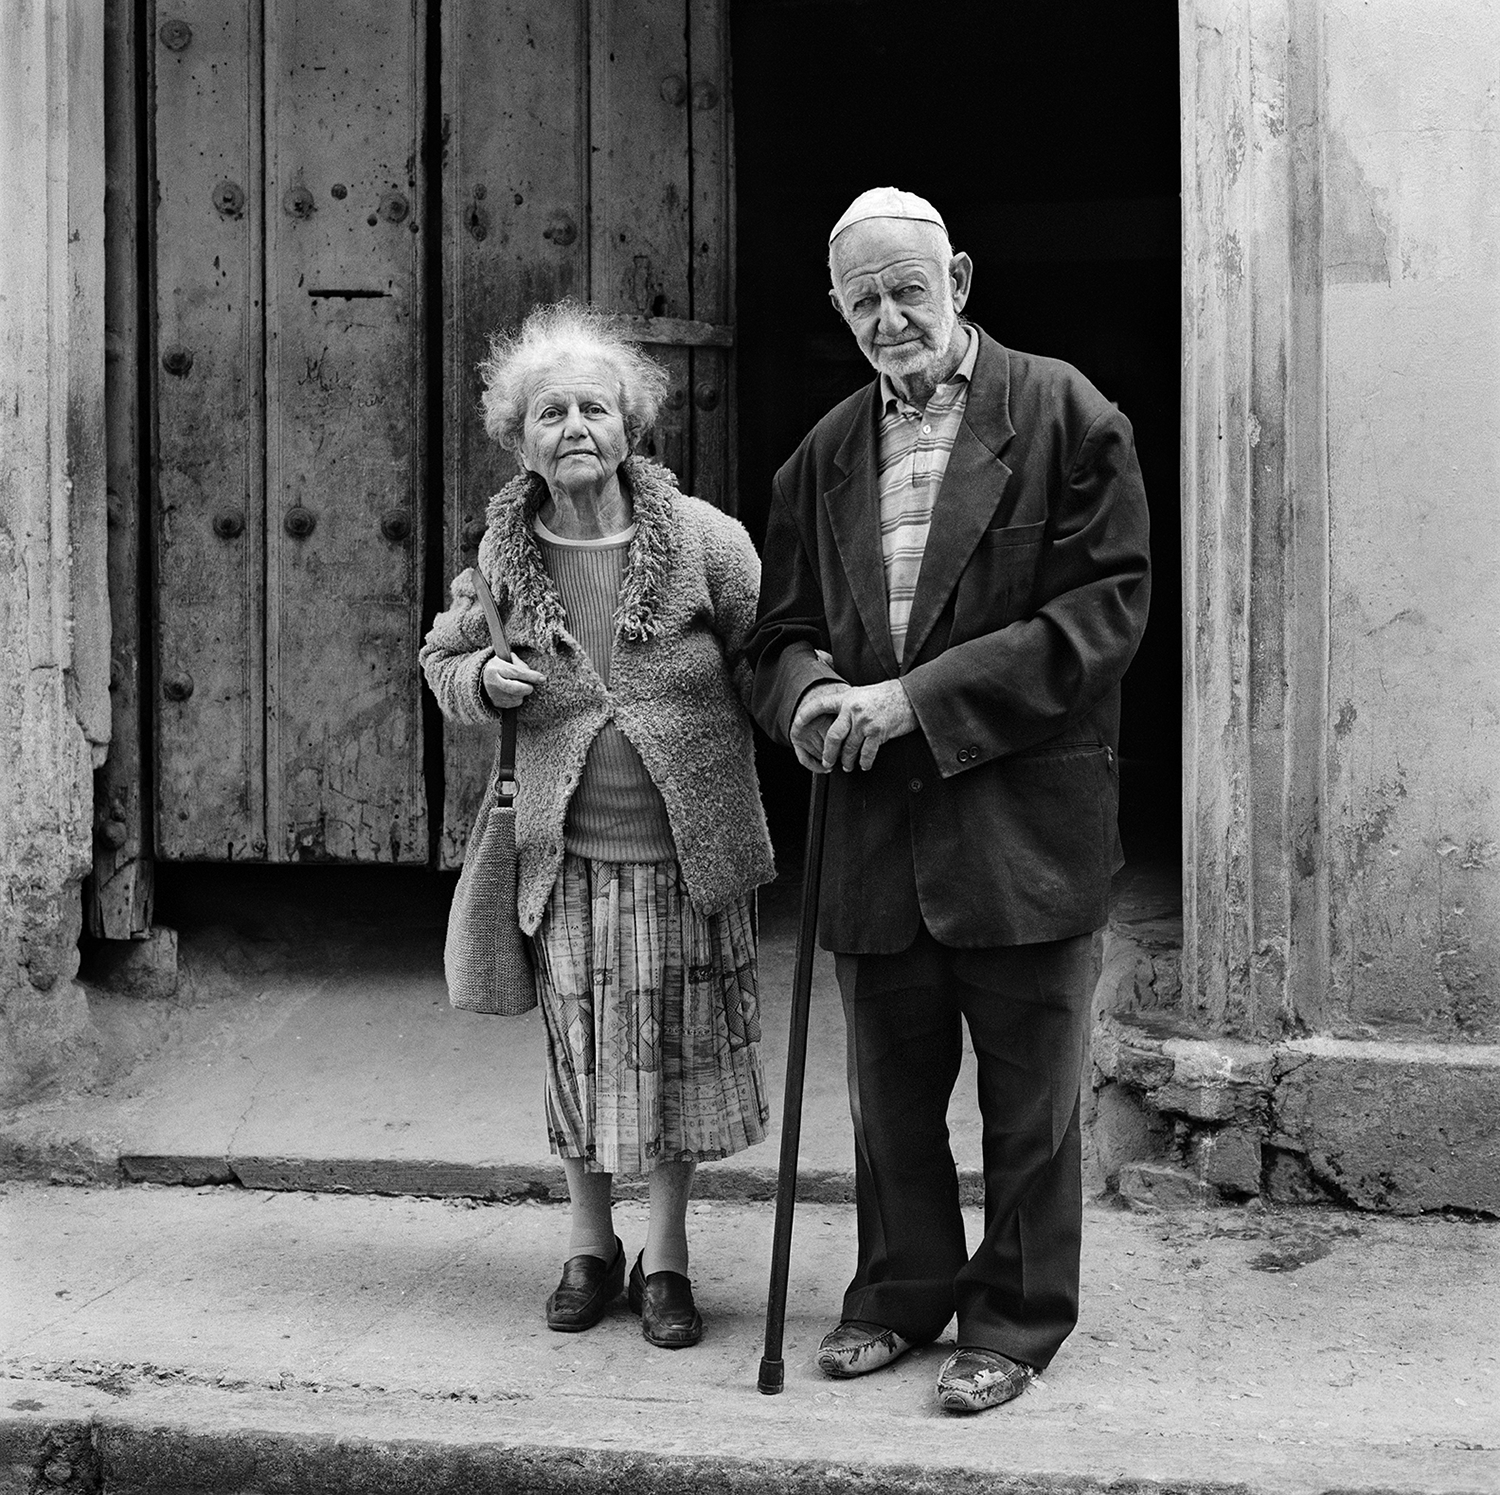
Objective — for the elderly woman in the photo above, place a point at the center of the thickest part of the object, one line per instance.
(638, 822)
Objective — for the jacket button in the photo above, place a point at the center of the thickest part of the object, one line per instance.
(915, 786)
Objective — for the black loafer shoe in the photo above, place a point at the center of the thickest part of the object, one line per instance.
(587, 1288)
(664, 1300)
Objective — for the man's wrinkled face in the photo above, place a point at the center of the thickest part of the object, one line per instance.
(899, 292)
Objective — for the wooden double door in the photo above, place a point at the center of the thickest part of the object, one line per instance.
(350, 196)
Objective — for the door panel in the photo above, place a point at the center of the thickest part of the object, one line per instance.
(515, 224)
(606, 125)
(586, 153)
(208, 530)
(290, 530)
(345, 401)
(639, 188)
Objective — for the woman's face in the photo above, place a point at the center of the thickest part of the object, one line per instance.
(574, 436)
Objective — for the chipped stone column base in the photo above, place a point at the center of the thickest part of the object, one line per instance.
(1206, 1103)
(1395, 1126)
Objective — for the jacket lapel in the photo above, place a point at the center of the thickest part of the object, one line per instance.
(971, 490)
(853, 508)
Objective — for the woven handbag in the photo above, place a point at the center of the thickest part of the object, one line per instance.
(486, 958)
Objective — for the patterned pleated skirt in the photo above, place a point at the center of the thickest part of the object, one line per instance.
(652, 1017)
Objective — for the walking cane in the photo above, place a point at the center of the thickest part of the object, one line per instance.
(772, 1369)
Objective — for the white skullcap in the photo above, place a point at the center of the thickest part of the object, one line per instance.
(888, 202)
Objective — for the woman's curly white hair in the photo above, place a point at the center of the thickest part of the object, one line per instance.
(552, 337)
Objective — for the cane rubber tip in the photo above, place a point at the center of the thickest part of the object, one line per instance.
(772, 1377)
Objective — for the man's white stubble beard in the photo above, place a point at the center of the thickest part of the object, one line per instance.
(917, 358)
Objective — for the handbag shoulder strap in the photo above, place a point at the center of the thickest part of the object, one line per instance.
(505, 769)
(491, 612)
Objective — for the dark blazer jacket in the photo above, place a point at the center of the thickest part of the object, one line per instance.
(996, 821)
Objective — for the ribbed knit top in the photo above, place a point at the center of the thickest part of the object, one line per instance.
(616, 813)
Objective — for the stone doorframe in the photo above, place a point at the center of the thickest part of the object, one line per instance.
(1255, 517)
(54, 602)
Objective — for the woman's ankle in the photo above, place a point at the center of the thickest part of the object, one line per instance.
(591, 1226)
(666, 1239)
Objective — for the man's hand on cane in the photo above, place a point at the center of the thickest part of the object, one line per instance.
(837, 724)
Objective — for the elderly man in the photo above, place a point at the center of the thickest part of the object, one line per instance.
(956, 575)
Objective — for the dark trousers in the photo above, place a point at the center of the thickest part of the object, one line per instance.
(1027, 1007)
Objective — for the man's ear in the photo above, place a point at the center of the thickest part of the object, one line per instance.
(838, 305)
(961, 272)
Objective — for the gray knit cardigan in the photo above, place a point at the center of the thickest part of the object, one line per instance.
(678, 682)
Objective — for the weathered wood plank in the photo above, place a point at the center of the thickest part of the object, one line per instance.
(346, 420)
(87, 481)
(640, 192)
(120, 892)
(514, 236)
(207, 371)
(711, 125)
(679, 332)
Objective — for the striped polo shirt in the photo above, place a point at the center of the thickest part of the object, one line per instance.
(914, 449)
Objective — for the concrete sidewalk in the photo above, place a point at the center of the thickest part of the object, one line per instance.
(223, 1339)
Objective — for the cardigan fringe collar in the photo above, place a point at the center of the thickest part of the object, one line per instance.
(535, 608)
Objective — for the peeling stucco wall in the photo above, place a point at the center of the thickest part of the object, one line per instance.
(54, 613)
(1412, 319)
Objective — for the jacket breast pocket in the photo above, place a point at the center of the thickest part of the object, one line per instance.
(1013, 536)
(999, 580)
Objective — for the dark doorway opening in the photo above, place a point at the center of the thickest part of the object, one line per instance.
(1047, 135)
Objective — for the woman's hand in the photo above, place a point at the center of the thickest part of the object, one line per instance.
(507, 682)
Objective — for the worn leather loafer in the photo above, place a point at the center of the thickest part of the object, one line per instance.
(972, 1379)
(664, 1300)
(587, 1289)
(856, 1348)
